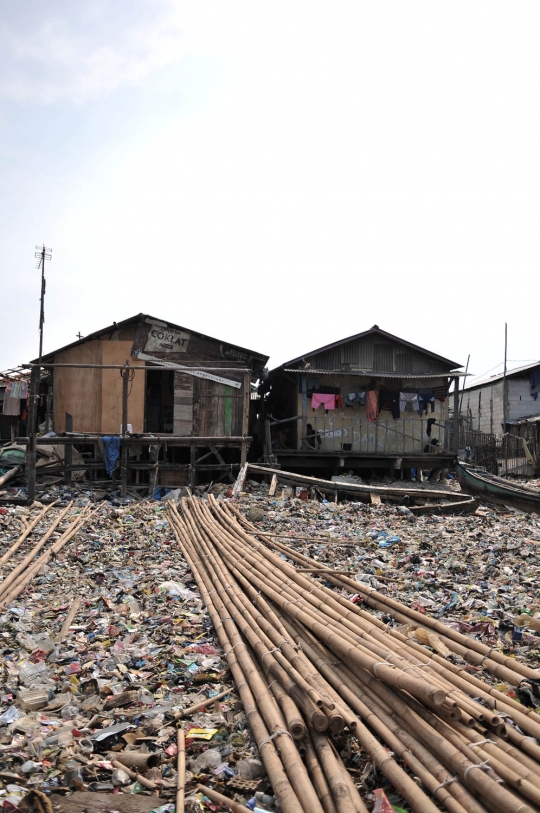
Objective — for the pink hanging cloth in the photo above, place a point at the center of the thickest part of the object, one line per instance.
(327, 400)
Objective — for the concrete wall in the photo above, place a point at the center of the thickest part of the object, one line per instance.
(349, 425)
(521, 403)
(485, 404)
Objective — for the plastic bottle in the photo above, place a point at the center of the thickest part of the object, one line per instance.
(208, 759)
(69, 712)
(249, 768)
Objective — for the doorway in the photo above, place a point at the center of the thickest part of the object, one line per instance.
(159, 401)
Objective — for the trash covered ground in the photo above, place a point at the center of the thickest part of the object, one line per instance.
(478, 573)
(92, 707)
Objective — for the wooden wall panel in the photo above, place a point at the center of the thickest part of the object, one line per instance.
(116, 352)
(78, 391)
(183, 404)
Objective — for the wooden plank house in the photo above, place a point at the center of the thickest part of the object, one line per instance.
(154, 382)
(372, 400)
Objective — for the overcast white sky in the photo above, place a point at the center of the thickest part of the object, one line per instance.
(279, 175)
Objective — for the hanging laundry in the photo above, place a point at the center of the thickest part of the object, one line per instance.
(111, 452)
(389, 400)
(425, 399)
(339, 402)
(356, 398)
(12, 406)
(327, 400)
(441, 392)
(24, 390)
(430, 423)
(406, 398)
(372, 401)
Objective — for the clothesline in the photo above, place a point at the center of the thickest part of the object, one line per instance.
(394, 401)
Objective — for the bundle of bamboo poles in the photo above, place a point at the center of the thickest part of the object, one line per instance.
(311, 666)
(25, 571)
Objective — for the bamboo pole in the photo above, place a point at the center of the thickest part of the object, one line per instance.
(219, 799)
(281, 784)
(35, 550)
(25, 578)
(490, 658)
(26, 533)
(9, 475)
(69, 619)
(240, 566)
(181, 771)
(381, 756)
(146, 783)
(206, 702)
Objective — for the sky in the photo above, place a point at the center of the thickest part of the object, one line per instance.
(278, 175)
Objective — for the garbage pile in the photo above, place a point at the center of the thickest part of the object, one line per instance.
(325, 682)
(108, 648)
(105, 650)
(478, 573)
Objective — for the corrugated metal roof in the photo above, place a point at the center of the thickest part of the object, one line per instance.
(374, 373)
(377, 331)
(141, 317)
(484, 382)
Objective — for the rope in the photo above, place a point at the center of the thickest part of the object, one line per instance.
(480, 742)
(483, 766)
(275, 649)
(275, 734)
(447, 782)
(488, 653)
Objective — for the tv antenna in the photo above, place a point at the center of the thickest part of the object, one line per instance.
(42, 255)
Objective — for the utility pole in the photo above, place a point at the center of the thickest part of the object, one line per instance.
(42, 254)
(505, 389)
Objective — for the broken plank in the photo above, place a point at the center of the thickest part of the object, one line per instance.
(240, 480)
(273, 486)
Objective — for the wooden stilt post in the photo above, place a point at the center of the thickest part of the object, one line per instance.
(32, 434)
(246, 401)
(68, 451)
(124, 446)
(456, 415)
(192, 466)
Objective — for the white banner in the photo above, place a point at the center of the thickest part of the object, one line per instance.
(196, 373)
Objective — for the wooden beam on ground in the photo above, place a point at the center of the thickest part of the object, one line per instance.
(273, 486)
(375, 498)
(9, 475)
(240, 480)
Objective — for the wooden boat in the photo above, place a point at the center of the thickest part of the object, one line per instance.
(491, 488)
(418, 500)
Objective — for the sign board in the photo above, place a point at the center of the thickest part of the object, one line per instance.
(232, 353)
(196, 373)
(166, 339)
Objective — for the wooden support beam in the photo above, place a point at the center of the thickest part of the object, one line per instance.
(273, 486)
(192, 467)
(32, 427)
(456, 415)
(68, 451)
(246, 402)
(124, 457)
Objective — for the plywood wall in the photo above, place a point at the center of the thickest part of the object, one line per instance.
(116, 352)
(78, 390)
